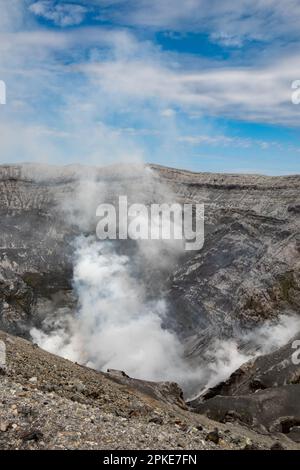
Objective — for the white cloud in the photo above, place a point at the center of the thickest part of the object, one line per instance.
(226, 22)
(80, 81)
(255, 93)
(13, 15)
(168, 112)
(62, 14)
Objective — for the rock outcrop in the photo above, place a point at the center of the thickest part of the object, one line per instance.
(263, 393)
(167, 392)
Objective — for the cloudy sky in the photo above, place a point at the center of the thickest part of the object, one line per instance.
(197, 84)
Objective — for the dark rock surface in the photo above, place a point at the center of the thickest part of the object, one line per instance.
(167, 392)
(272, 370)
(248, 269)
(263, 393)
(274, 409)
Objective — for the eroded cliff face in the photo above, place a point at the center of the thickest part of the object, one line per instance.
(35, 266)
(247, 271)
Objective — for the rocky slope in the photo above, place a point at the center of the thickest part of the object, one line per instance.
(47, 402)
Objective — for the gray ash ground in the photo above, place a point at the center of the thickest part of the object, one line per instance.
(47, 402)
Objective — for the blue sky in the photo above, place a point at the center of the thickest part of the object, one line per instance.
(201, 84)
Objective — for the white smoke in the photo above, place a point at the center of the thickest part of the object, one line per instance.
(116, 327)
(223, 357)
(117, 324)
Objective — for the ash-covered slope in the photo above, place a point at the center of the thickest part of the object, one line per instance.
(47, 402)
